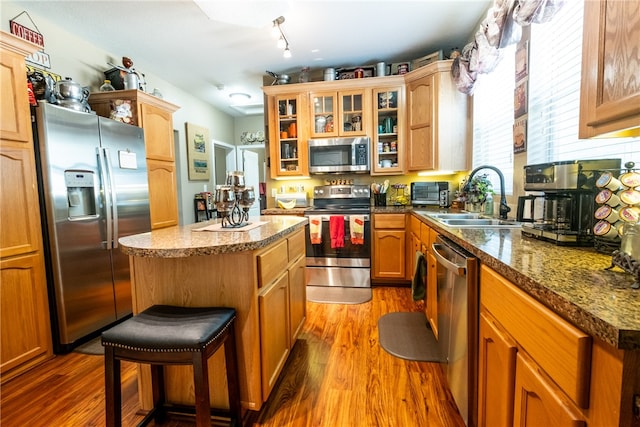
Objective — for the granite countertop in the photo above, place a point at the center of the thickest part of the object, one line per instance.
(281, 211)
(570, 281)
(182, 241)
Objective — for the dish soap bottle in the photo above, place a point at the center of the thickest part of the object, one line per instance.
(106, 86)
(488, 205)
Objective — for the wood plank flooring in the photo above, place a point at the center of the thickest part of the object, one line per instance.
(336, 375)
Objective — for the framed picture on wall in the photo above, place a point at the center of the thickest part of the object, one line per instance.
(198, 152)
(522, 61)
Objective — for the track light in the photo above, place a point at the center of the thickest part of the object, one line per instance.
(283, 43)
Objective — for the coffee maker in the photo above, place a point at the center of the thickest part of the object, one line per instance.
(560, 206)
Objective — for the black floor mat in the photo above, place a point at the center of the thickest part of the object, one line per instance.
(408, 336)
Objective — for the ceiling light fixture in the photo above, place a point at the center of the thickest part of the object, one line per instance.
(239, 96)
(283, 43)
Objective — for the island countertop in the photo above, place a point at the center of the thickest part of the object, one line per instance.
(184, 241)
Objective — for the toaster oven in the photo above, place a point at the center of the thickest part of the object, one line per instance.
(430, 194)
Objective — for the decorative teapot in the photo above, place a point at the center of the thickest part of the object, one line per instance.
(72, 95)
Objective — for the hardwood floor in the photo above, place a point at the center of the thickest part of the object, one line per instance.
(336, 375)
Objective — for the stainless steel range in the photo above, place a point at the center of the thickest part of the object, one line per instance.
(338, 237)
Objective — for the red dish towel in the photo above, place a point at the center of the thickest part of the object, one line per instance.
(336, 231)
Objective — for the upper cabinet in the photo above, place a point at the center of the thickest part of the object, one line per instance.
(155, 116)
(388, 131)
(288, 135)
(610, 89)
(436, 120)
(340, 113)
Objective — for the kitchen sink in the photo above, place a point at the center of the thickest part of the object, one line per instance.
(470, 220)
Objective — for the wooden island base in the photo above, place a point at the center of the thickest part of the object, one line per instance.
(266, 286)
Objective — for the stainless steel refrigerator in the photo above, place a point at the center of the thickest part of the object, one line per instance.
(93, 189)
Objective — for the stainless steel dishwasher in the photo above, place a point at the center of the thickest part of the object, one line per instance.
(457, 275)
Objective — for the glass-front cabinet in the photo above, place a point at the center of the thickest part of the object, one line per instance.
(388, 130)
(287, 136)
(342, 113)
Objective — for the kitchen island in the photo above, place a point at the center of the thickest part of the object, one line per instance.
(258, 271)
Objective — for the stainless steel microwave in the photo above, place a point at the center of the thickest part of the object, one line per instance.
(333, 155)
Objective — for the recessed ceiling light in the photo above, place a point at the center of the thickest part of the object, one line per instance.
(239, 96)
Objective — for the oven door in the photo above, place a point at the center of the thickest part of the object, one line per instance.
(349, 266)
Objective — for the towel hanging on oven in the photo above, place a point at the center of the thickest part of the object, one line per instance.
(336, 231)
(315, 229)
(356, 229)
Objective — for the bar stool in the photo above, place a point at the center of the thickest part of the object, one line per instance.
(168, 335)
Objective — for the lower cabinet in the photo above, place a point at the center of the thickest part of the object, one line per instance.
(389, 246)
(282, 301)
(273, 304)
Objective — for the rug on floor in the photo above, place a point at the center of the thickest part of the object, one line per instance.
(338, 295)
(408, 336)
(91, 347)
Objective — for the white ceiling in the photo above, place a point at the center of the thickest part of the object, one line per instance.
(181, 44)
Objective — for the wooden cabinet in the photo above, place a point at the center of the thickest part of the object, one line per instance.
(155, 116)
(273, 303)
(288, 134)
(436, 120)
(610, 89)
(282, 304)
(388, 142)
(25, 338)
(297, 297)
(389, 246)
(535, 364)
(342, 113)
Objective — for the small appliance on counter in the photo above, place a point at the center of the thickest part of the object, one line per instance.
(430, 194)
(562, 211)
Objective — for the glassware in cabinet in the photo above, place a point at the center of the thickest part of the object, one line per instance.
(388, 149)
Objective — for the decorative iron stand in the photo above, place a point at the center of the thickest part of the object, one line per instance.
(234, 200)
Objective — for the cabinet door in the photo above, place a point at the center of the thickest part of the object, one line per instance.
(274, 330)
(353, 112)
(162, 194)
(14, 123)
(158, 132)
(297, 297)
(420, 147)
(496, 375)
(20, 215)
(537, 402)
(610, 89)
(287, 136)
(388, 142)
(25, 338)
(324, 106)
(389, 254)
(432, 292)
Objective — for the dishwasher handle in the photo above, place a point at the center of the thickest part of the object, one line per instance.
(460, 270)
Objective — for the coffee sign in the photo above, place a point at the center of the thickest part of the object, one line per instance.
(26, 33)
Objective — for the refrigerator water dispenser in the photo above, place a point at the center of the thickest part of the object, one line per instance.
(81, 196)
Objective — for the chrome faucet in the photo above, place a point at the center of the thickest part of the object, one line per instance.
(504, 208)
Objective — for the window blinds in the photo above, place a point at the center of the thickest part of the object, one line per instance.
(555, 62)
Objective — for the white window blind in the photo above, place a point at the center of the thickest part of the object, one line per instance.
(555, 63)
(493, 120)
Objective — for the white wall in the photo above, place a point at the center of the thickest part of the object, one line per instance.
(72, 57)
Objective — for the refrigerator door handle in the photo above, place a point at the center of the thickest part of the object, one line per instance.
(106, 176)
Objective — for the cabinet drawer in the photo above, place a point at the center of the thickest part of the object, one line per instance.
(389, 221)
(272, 262)
(296, 245)
(559, 348)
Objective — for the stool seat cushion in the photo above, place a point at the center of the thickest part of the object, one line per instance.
(165, 328)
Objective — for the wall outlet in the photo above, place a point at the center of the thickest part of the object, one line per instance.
(274, 192)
